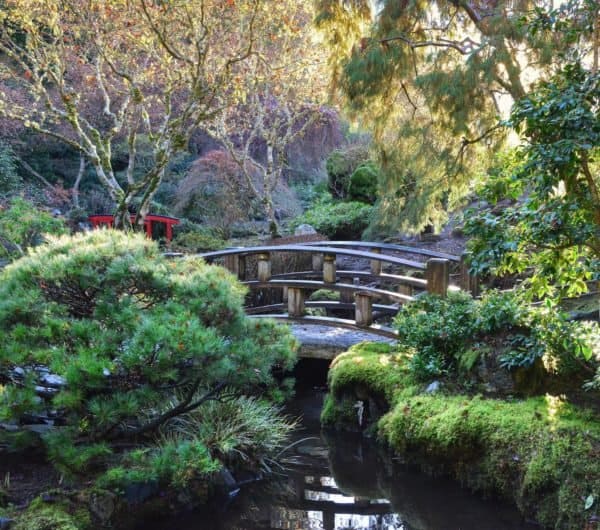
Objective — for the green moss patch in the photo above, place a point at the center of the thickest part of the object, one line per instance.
(52, 516)
(543, 452)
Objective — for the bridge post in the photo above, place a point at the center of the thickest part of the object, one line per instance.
(363, 309)
(236, 264)
(468, 282)
(295, 302)
(347, 296)
(264, 267)
(317, 262)
(405, 289)
(438, 276)
(329, 268)
(375, 263)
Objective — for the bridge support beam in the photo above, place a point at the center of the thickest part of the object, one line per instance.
(438, 276)
(329, 268)
(236, 264)
(375, 263)
(295, 299)
(363, 312)
(468, 282)
(264, 267)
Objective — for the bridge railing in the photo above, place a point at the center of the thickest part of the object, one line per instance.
(434, 275)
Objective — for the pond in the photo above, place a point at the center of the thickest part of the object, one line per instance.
(335, 481)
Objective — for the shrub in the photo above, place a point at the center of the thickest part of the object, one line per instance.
(342, 220)
(100, 331)
(215, 193)
(22, 225)
(363, 183)
(446, 334)
(197, 241)
(340, 166)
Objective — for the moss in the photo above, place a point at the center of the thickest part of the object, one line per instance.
(366, 378)
(60, 515)
(541, 452)
(376, 367)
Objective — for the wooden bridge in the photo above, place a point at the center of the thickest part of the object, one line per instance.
(395, 275)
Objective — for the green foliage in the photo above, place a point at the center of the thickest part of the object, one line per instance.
(430, 98)
(363, 183)
(125, 331)
(49, 517)
(445, 334)
(197, 241)
(340, 165)
(337, 220)
(22, 226)
(551, 228)
(9, 178)
(242, 432)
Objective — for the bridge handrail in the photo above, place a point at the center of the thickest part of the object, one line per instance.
(312, 249)
(412, 281)
(316, 285)
(387, 246)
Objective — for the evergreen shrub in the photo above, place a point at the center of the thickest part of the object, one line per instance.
(106, 343)
(22, 225)
(363, 183)
(337, 220)
(340, 166)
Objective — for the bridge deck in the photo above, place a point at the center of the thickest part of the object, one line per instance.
(375, 329)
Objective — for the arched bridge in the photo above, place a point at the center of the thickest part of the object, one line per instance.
(390, 275)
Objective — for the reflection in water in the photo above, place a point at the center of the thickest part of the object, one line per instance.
(339, 482)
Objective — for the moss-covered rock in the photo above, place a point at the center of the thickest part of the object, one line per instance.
(53, 515)
(542, 452)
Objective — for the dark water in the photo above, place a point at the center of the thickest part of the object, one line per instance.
(341, 482)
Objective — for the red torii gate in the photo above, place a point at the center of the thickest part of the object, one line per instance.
(108, 220)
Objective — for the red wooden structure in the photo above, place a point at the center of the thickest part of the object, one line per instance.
(108, 220)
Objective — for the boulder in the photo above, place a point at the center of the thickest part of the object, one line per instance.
(304, 230)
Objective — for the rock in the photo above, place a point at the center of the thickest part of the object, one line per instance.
(53, 380)
(433, 387)
(138, 492)
(102, 505)
(304, 230)
(226, 480)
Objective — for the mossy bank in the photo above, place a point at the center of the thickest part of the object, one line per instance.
(542, 452)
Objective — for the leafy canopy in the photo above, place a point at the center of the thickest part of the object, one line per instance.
(551, 229)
